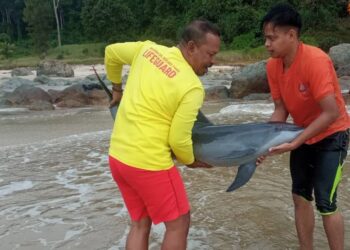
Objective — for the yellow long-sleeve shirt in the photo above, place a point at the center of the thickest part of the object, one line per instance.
(159, 105)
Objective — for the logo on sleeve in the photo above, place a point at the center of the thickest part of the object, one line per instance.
(303, 88)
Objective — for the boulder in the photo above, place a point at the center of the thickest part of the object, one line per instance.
(340, 55)
(79, 95)
(29, 96)
(10, 84)
(45, 80)
(343, 70)
(251, 79)
(21, 72)
(216, 93)
(54, 68)
(344, 82)
(257, 96)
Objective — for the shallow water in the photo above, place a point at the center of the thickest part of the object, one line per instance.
(56, 191)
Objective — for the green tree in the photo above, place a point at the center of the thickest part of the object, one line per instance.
(108, 19)
(6, 49)
(56, 4)
(38, 15)
(10, 18)
(71, 23)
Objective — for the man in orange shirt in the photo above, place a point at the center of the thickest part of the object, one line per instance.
(304, 84)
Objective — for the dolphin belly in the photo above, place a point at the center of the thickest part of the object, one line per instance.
(233, 145)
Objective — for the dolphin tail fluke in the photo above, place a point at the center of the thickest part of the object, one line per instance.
(245, 172)
(114, 111)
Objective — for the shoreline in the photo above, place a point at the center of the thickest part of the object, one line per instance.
(83, 70)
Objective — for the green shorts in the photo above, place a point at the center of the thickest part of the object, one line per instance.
(318, 168)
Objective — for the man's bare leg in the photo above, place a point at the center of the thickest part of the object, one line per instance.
(139, 234)
(304, 221)
(334, 227)
(175, 237)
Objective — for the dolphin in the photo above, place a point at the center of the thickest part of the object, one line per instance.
(238, 144)
(232, 145)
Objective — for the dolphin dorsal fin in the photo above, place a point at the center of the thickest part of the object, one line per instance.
(201, 118)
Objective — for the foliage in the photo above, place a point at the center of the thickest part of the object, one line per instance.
(309, 40)
(326, 43)
(243, 19)
(84, 21)
(6, 49)
(103, 19)
(38, 15)
(5, 38)
(246, 40)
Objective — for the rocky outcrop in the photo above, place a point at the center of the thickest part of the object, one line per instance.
(344, 82)
(340, 55)
(29, 96)
(216, 93)
(79, 95)
(257, 96)
(54, 68)
(343, 70)
(252, 79)
(45, 80)
(21, 72)
(10, 84)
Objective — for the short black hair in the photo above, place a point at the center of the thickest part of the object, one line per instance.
(282, 14)
(196, 31)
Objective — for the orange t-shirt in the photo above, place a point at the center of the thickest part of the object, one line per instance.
(310, 78)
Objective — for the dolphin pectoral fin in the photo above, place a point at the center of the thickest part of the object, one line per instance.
(245, 172)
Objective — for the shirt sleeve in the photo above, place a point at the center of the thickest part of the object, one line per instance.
(180, 136)
(321, 77)
(118, 54)
(273, 84)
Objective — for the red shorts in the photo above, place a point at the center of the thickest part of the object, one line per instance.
(160, 195)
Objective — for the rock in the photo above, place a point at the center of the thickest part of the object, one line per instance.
(21, 72)
(252, 79)
(216, 93)
(73, 96)
(346, 97)
(79, 95)
(91, 86)
(344, 83)
(93, 77)
(30, 96)
(54, 68)
(41, 105)
(55, 94)
(257, 96)
(98, 97)
(340, 55)
(343, 70)
(45, 80)
(42, 79)
(14, 82)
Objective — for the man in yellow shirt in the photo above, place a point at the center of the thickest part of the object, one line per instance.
(155, 118)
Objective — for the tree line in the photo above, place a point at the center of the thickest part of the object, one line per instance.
(41, 24)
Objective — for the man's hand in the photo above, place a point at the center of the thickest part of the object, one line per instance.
(285, 147)
(260, 159)
(199, 164)
(117, 96)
